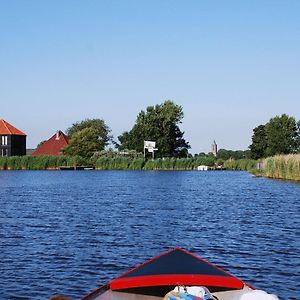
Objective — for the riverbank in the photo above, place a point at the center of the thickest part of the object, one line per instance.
(281, 167)
(103, 163)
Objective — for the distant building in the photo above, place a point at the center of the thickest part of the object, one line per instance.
(214, 148)
(202, 168)
(53, 146)
(12, 140)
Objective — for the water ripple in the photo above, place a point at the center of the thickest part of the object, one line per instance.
(69, 232)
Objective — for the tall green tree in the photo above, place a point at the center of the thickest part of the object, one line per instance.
(281, 135)
(298, 138)
(87, 137)
(158, 123)
(259, 142)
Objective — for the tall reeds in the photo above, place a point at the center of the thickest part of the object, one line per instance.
(41, 162)
(240, 164)
(282, 167)
(103, 162)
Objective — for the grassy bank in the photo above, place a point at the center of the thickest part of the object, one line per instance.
(129, 163)
(41, 162)
(240, 164)
(282, 167)
(103, 162)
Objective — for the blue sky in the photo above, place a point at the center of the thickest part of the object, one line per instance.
(232, 65)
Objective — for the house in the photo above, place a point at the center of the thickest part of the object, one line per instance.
(53, 146)
(12, 140)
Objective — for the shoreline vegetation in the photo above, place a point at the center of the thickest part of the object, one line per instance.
(156, 133)
(279, 166)
(285, 167)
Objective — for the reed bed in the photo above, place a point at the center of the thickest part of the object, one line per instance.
(282, 167)
(240, 164)
(41, 162)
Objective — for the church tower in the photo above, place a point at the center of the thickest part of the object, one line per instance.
(214, 148)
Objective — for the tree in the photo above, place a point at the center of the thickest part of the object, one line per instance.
(259, 142)
(160, 124)
(87, 137)
(281, 135)
(224, 154)
(298, 138)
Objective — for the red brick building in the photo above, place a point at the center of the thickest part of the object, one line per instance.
(54, 145)
(12, 140)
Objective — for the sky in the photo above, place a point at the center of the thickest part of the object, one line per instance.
(231, 65)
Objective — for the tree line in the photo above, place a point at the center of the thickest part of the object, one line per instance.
(161, 123)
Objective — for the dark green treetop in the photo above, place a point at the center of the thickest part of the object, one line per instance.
(87, 137)
(259, 142)
(281, 135)
(158, 123)
(233, 154)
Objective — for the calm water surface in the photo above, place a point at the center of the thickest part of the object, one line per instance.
(68, 232)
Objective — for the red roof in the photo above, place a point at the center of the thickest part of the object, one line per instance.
(8, 129)
(54, 145)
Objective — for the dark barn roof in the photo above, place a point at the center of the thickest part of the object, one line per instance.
(54, 145)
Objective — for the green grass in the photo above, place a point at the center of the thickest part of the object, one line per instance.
(240, 164)
(41, 162)
(282, 167)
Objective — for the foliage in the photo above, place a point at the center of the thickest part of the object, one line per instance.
(230, 154)
(87, 137)
(259, 142)
(41, 162)
(111, 153)
(152, 165)
(282, 167)
(208, 160)
(160, 124)
(240, 164)
(84, 143)
(137, 164)
(281, 135)
(184, 164)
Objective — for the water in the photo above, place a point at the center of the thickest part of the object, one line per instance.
(69, 232)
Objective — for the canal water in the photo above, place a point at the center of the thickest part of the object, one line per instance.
(68, 232)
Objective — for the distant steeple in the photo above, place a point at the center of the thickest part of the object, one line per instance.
(214, 148)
